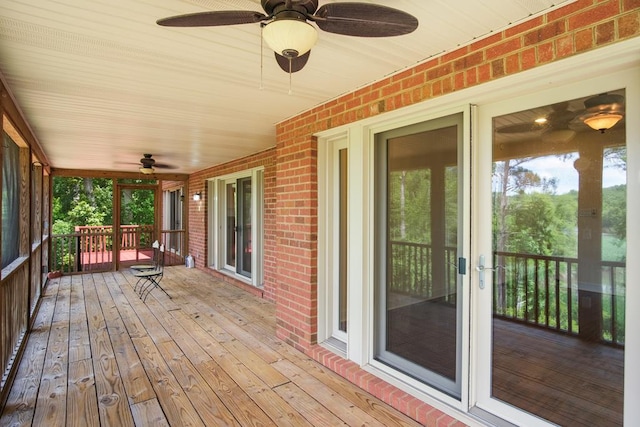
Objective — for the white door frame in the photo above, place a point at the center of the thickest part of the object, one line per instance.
(482, 244)
(611, 67)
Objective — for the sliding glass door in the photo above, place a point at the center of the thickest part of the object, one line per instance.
(552, 264)
(418, 224)
(238, 225)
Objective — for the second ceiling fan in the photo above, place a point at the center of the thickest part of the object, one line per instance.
(286, 27)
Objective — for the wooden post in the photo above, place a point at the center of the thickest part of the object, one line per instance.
(589, 167)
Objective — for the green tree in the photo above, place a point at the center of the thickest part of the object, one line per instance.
(614, 211)
(540, 226)
(137, 207)
(85, 214)
(82, 201)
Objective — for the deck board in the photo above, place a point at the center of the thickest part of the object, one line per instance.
(112, 397)
(22, 399)
(82, 403)
(79, 347)
(52, 395)
(208, 356)
(136, 382)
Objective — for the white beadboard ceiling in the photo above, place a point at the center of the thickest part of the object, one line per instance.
(100, 83)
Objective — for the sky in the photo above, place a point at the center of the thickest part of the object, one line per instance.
(563, 169)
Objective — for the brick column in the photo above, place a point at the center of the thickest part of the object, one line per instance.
(296, 238)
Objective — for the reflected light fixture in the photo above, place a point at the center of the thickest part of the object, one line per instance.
(605, 110)
(603, 121)
(290, 37)
(197, 196)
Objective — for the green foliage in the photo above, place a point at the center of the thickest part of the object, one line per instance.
(82, 201)
(137, 207)
(88, 201)
(62, 227)
(614, 211)
(411, 208)
(85, 214)
(538, 224)
(613, 248)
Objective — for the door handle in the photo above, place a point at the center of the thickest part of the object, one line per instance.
(481, 269)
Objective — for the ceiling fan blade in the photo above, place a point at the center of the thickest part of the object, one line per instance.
(213, 18)
(520, 128)
(163, 166)
(605, 102)
(364, 20)
(297, 63)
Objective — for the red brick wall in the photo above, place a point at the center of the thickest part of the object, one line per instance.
(571, 30)
(198, 212)
(291, 168)
(296, 239)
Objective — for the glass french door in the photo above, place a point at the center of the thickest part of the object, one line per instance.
(551, 262)
(418, 252)
(238, 247)
(172, 234)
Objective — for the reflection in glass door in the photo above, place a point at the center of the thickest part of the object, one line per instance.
(172, 233)
(238, 229)
(244, 230)
(418, 310)
(557, 317)
(230, 246)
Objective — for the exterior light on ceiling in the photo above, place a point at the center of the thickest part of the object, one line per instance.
(147, 171)
(290, 37)
(603, 121)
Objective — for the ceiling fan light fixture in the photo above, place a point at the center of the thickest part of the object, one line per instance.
(147, 171)
(290, 37)
(603, 121)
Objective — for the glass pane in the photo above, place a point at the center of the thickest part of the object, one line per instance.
(246, 225)
(559, 191)
(231, 225)
(420, 320)
(342, 285)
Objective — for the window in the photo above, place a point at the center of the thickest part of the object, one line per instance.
(235, 237)
(10, 201)
(333, 232)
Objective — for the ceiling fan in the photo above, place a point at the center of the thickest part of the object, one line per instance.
(287, 31)
(559, 118)
(148, 165)
(601, 112)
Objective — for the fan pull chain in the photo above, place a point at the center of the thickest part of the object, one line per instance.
(261, 55)
(290, 91)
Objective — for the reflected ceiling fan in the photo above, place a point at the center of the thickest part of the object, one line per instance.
(148, 165)
(286, 27)
(558, 119)
(601, 112)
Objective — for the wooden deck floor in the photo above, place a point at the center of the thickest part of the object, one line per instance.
(99, 356)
